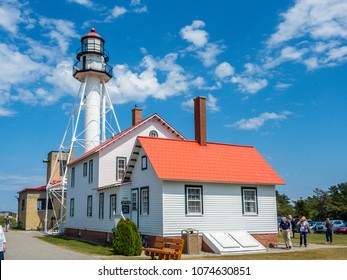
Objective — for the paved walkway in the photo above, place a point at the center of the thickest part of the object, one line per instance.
(22, 245)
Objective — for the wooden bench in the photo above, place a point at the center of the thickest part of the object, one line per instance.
(165, 248)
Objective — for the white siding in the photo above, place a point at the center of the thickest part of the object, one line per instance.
(153, 223)
(123, 148)
(80, 192)
(222, 209)
(104, 175)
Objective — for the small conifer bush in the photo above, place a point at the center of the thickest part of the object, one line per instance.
(127, 239)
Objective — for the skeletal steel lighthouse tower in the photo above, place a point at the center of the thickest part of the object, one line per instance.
(91, 121)
(92, 70)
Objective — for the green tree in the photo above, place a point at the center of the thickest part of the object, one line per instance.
(318, 206)
(338, 195)
(301, 207)
(284, 206)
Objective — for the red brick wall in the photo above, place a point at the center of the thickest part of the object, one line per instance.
(269, 240)
(89, 235)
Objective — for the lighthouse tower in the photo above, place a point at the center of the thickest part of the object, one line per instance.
(92, 70)
(92, 119)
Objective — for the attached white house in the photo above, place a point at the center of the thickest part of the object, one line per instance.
(180, 184)
(168, 184)
(94, 192)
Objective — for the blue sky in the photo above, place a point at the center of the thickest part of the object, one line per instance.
(274, 73)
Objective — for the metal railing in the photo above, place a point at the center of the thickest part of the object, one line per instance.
(92, 65)
(93, 48)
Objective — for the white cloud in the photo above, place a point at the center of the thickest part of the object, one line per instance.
(224, 70)
(282, 86)
(249, 84)
(17, 68)
(86, 3)
(211, 104)
(10, 16)
(195, 34)
(118, 11)
(62, 72)
(160, 78)
(206, 52)
(59, 31)
(287, 54)
(209, 53)
(313, 33)
(257, 122)
(6, 112)
(138, 7)
(317, 19)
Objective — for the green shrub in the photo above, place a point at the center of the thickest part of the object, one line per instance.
(127, 239)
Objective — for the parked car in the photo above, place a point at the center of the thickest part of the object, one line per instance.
(342, 229)
(338, 223)
(312, 225)
(320, 227)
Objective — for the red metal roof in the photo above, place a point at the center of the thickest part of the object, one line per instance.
(42, 188)
(188, 161)
(119, 135)
(92, 33)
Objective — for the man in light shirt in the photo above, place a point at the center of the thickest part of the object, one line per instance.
(2, 243)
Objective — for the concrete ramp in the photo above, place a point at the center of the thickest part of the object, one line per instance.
(232, 242)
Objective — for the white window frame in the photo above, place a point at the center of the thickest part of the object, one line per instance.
(144, 198)
(72, 207)
(101, 205)
(113, 206)
(90, 177)
(144, 162)
(249, 203)
(121, 171)
(73, 177)
(85, 169)
(89, 206)
(193, 202)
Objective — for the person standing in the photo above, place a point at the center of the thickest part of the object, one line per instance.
(292, 225)
(2, 244)
(304, 226)
(284, 227)
(7, 223)
(329, 233)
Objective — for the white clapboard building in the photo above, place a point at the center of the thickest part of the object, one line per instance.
(165, 183)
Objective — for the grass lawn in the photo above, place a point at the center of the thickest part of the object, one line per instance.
(307, 254)
(316, 254)
(78, 246)
(318, 238)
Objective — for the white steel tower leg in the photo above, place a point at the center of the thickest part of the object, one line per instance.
(103, 114)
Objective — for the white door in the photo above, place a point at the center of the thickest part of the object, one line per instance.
(135, 206)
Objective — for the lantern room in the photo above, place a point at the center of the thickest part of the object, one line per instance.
(92, 43)
(92, 56)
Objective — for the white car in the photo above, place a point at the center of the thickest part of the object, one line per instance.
(338, 223)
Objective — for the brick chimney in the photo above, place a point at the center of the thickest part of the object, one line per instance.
(137, 115)
(200, 119)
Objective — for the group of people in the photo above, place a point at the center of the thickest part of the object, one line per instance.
(3, 239)
(287, 226)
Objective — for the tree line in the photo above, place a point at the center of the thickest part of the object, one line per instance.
(321, 205)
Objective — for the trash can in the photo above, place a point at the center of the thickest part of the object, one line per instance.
(191, 241)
